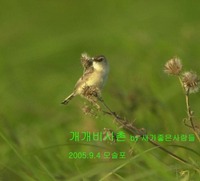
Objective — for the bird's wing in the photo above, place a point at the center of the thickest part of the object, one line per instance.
(85, 76)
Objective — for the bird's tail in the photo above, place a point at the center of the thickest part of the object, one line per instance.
(68, 99)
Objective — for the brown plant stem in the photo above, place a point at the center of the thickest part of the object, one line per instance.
(190, 115)
(132, 130)
(189, 112)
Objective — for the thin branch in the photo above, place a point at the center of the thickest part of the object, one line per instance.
(132, 130)
(189, 112)
(190, 115)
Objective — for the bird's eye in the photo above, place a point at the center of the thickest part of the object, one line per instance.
(100, 59)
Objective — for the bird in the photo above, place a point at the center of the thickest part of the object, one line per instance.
(95, 74)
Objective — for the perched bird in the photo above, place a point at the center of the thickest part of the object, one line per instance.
(95, 73)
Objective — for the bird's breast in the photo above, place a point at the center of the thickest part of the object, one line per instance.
(96, 79)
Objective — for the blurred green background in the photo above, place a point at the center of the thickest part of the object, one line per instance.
(40, 47)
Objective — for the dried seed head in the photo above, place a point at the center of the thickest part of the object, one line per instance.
(90, 110)
(173, 66)
(92, 94)
(190, 82)
(86, 109)
(86, 61)
(85, 56)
